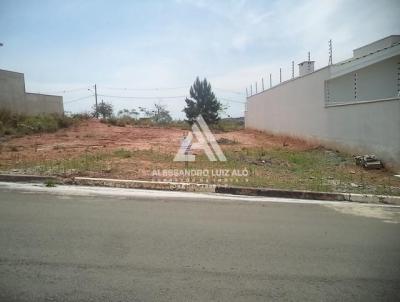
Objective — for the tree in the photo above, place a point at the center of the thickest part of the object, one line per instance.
(159, 114)
(203, 102)
(104, 109)
(124, 113)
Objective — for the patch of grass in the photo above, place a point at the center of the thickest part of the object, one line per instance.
(50, 183)
(229, 124)
(82, 116)
(122, 153)
(313, 170)
(143, 122)
(226, 141)
(80, 165)
(280, 168)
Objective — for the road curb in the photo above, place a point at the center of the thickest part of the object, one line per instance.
(369, 198)
(349, 197)
(141, 184)
(193, 187)
(26, 178)
(280, 193)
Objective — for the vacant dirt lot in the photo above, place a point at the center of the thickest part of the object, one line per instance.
(96, 149)
(94, 135)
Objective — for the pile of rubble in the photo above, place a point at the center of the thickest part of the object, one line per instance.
(368, 161)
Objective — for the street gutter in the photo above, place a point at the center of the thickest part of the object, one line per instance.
(206, 188)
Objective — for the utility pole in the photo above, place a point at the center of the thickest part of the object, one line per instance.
(270, 80)
(280, 75)
(330, 52)
(95, 97)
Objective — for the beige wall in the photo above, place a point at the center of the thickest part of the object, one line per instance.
(43, 104)
(297, 108)
(12, 91)
(14, 98)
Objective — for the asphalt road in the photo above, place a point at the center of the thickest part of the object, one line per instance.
(63, 247)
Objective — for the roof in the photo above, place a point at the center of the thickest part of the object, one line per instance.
(369, 54)
(377, 41)
(353, 64)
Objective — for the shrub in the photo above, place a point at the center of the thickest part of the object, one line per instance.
(64, 121)
(81, 116)
(18, 124)
(229, 124)
(41, 123)
(50, 183)
(111, 121)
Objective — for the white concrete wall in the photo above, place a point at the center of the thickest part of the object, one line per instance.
(376, 81)
(367, 127)
(297, 108)
(14, 98)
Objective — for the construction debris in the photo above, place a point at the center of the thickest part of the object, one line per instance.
(368, 161)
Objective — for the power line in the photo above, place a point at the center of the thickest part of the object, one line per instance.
(233, 101)
(161, 97)
(79, 99)
(165, 88)
(142, 97)
(64, 91)
(230, 91)
(70, 90)
(144, 89)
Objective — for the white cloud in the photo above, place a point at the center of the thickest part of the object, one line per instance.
(238, 43)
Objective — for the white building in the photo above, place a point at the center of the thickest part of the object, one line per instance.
(352, 105)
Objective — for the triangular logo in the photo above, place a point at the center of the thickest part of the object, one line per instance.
(205, 141)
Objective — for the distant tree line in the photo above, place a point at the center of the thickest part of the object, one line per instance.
(202, 101)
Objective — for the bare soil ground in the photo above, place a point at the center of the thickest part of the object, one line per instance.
(96, 149)
(94, 135)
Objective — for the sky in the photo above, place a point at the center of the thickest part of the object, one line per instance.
(143, 52)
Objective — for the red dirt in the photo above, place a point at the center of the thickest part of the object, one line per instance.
(92, 136)
(253, 138)
(96, 136)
